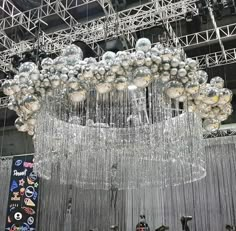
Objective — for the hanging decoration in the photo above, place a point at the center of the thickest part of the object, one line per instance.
(180, 79)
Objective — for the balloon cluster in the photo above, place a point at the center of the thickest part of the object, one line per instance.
(181, 80)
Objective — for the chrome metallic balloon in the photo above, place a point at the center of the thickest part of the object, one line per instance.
(222, 116)
(154, 68)
(182, 72)
(143, 44)
(27, 67)
(109, 57)
(121, 83)
(32, 103)
(192, 87)
(20, 125)
(77, 96)
(174, 89)
(192, 63)
(191, 106)
(217, 82)
(148, 61)
(59, 63)
(211, 125)
(204, 107)
(103, 88)
(182, 98)
(142, 77)
(166, 66)
(175, 62)
(165, 76)
(225, 96)
(202, 77)
(7, 90)
(73, 83)
(139, 58)
(211, 95)
(173, 71)
(34, 75)
(46, 63)
(73, 50)
(182, 64)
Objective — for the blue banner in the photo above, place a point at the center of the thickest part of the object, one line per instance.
(23, 195)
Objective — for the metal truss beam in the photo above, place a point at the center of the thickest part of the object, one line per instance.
(130, 20)
(208, 36)
(28, 18)
(15, 17)
(217, 31)
(71, 22)
(216, 59)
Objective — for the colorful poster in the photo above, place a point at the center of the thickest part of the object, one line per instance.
(23, 195)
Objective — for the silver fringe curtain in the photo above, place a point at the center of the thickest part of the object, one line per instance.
(5, 173)
(211, 201)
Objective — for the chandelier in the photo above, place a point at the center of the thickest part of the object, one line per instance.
(131, 121)
(135, 115)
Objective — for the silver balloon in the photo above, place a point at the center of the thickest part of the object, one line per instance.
(182, 98)
(59, 63)
(211, 125)
(143, 44)
(7, 90)
(154, 68)
(182, 72)
(165, 76)
(77, 96)
(192, 63)
(27, 67)
(46, 63)
(175, 62)
(73, 83)
(103, 88)
(140, 58)
(191, 106)
(225, 96)
(142, 77)
(32, 103)
(202, 77)
(121, 83)
(211, 95)
(166, 66)
(173, 71)
(73, 50)
(148, 61)
(217, 82)
(204, 107)
(182, 64)
(34, 75)
(222, 116)
(20, 125)
(109, 57)
(174, 89)
(192, 87)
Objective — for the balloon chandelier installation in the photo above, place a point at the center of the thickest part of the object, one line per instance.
(74, 77)
(129, 122)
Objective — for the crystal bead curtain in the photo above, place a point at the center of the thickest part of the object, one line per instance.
(5, 173)
(210, 201)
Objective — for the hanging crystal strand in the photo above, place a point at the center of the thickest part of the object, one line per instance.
(5, 175)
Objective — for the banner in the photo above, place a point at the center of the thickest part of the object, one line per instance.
(23, 195)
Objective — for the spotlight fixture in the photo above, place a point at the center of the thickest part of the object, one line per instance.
(184, 221)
